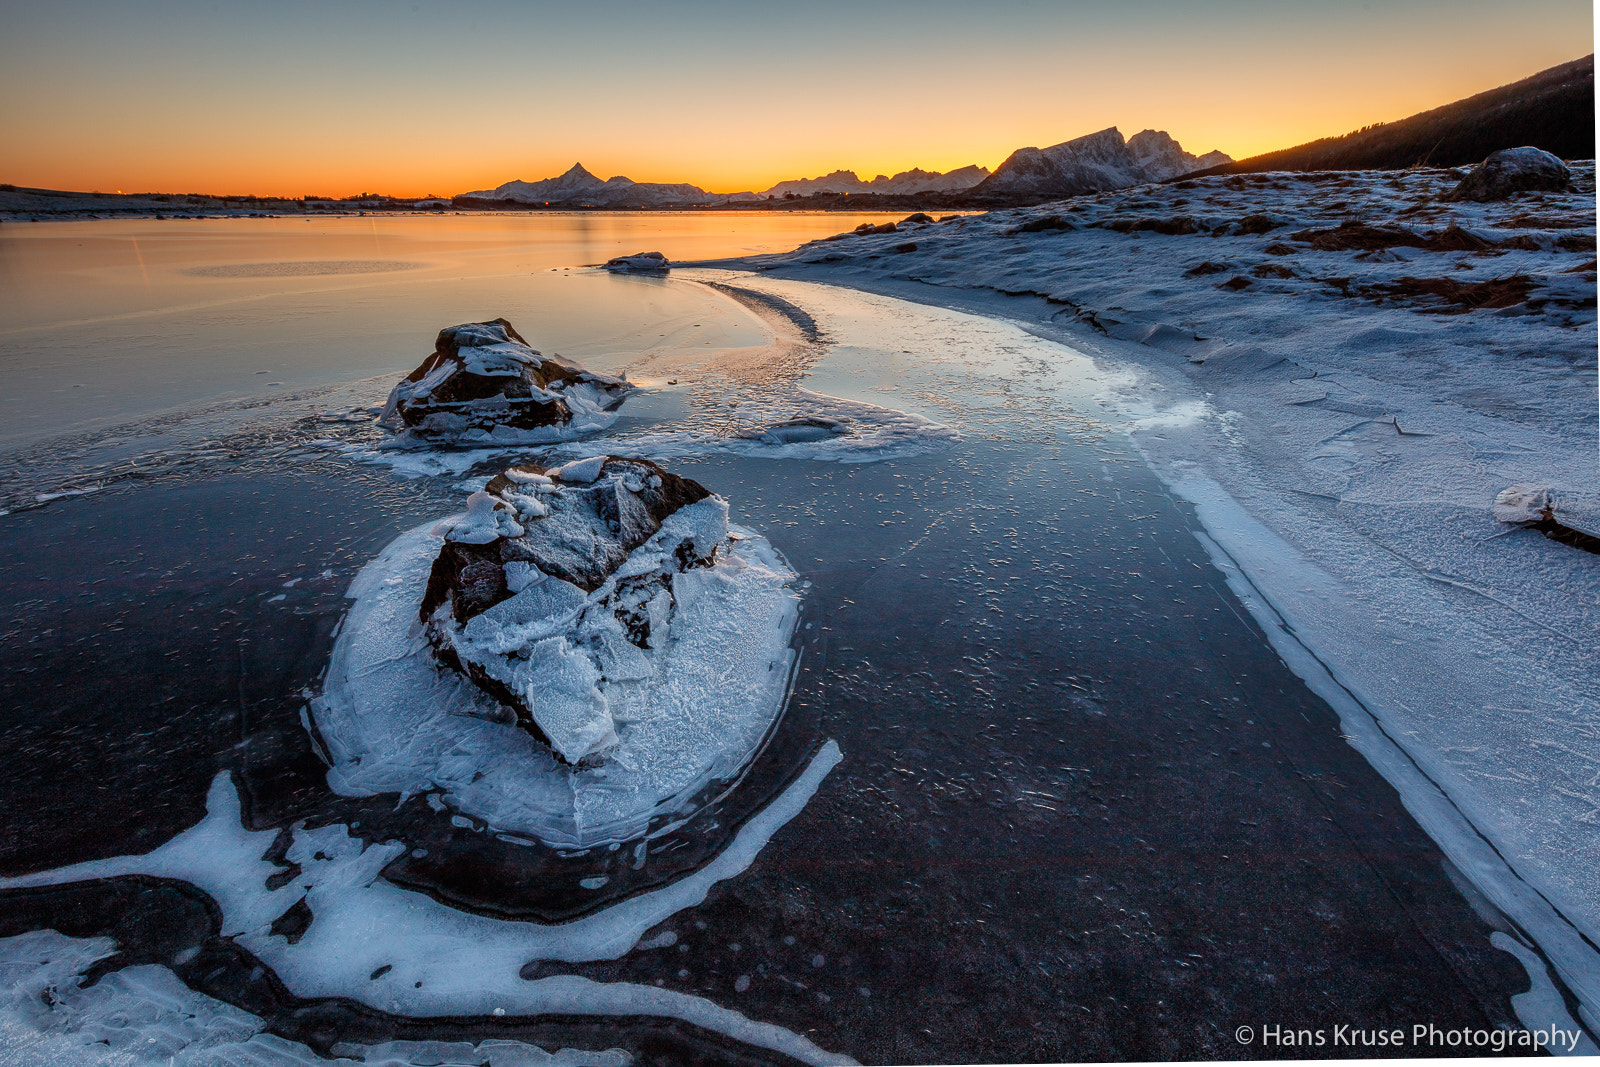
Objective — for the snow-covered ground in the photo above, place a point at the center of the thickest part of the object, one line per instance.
(1341, 371)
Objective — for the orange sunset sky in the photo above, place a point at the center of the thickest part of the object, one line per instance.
(415, 98)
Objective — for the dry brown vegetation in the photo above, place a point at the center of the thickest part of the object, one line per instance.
(1446, 296)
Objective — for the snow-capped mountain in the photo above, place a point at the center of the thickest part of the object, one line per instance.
(915, 180)
(1095, 163)
(578, 186)
(1163, 158)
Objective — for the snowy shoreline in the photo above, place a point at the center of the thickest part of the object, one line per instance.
(1343, 441)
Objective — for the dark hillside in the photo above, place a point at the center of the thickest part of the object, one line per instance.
(1553, 110)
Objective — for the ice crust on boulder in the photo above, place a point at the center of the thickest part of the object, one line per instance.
(1513, 170)
(575, 679)
(639, 263)
(483, 384)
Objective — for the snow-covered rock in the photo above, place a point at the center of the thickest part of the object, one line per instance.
(639, 263)
(1096, 163)
(484, 385)
(1513, 170)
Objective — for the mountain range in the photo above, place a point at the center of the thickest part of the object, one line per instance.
(906, 182)
(578, 187)
(1094, 163)
(1089, 164)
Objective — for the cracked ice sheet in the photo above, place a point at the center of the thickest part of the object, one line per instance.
(144, 1015)
(467, 964)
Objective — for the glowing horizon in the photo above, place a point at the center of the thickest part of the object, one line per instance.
(182, 97)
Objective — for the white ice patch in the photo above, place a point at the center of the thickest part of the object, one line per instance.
(692, 711)
(485, 521)
(143, 1015)
(441, 962)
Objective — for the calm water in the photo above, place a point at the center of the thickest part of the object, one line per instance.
(101, 322)
(1084, 811)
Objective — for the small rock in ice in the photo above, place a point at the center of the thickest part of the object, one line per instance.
(1513, 170)
(796, 430)
(483, 383)
(1523, 503)
(639, 262)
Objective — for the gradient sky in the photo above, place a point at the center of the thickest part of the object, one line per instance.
(412, 98)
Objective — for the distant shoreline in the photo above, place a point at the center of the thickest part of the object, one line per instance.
(39, 205)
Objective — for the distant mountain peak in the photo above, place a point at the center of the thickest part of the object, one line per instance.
(578, 186)
(578, 172)
(1094, 163)
(907, 182)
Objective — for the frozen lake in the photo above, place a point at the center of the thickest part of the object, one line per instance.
(1081, 809)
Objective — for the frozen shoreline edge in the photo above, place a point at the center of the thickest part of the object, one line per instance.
(1229, 527)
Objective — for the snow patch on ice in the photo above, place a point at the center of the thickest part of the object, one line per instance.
(143, 1015)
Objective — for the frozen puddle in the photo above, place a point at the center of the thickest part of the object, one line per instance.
(431, 960)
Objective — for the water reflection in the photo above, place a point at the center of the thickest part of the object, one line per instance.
(104, 321)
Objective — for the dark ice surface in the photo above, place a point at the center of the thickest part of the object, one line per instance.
(1085, 812)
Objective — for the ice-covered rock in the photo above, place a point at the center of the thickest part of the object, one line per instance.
(639, 262)
(483, 384)
(538, 596)
(596, 646)
(1513, 170)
